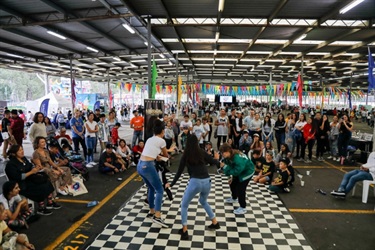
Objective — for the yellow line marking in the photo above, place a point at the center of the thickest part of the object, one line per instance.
(310, 167)
(338, 168)
(77, 224)
(342, 211)
(73, 201)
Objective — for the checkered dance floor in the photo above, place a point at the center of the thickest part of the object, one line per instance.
(267, 224)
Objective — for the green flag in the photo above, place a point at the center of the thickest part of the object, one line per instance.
(154, 76)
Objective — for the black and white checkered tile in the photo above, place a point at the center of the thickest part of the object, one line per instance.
(266, 225)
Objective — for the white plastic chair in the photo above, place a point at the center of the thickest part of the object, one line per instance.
(366, 186)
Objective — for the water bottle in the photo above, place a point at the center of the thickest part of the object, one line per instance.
(92, 203)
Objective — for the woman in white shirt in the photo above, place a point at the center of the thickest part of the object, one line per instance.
(91, 128)
(38, 128)
(298, 136)
(222, 124)
(124, 151)
(146, 169)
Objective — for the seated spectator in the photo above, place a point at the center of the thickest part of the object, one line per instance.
(60, 160)
(365, 172)
(16, 207)
(126, 154)
(230, 142)
(268, 148)
(50, 128)
(22, 242)
(209, 149)
(108, 163)
(137, 151)
(33, 183)
(268, 168)
(257, 143)
(280, 183)
(245, 142)
(71, 155)
(60, 176)
(62, 134)
(114, 134)
(284, 153)
(257, 160)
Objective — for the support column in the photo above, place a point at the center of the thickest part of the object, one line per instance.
(178, 90)
(149, 56)
(73, 95)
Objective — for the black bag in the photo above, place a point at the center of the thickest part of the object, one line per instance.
(38, 178)
(215, 133)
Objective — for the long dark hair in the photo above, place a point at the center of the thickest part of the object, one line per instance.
(8, 187)
(228, 148)
(12, 151)
(267, 122)
(35, 118)
(193, 153)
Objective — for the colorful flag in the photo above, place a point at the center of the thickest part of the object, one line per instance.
(179, 84)
(154, 76)
(299, 86)
(110, 99)
(371, 79)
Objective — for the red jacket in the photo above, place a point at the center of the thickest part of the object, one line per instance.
(114, 135)
(308, 134)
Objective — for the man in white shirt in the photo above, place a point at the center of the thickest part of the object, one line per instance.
(186, 123)
(249, 118)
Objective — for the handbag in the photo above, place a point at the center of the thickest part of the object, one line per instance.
(77, 187)
(5, 135)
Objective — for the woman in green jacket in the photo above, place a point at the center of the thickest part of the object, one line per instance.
(241, 170)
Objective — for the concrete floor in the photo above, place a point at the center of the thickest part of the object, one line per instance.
(327, 222)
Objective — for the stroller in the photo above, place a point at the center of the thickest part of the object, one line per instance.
(76, 162)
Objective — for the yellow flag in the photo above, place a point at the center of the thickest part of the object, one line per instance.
(179, 91)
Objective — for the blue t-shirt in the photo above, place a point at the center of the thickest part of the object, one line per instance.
(78, 123)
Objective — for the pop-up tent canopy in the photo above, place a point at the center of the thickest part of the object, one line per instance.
(56, 103)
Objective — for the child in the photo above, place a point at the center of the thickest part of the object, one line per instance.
(209, 149)
(268, 168)
(137, 150)
(114, 134)
(280, 183)
(198, 131)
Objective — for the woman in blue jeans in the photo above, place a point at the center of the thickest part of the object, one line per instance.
(91, 128)
(146, 169)
(196, 159)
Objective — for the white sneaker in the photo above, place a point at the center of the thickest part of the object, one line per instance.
(338, 159)
(330, 157)
(334, 158)
(62, 192)
(93, 163)
(230, 200)
(89, 165)
(240, 210)
(132, 164)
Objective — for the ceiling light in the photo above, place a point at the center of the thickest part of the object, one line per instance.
(162, 55)
(217, 35)
(92, 49)
(56, 35)
(14, 55)
(133, 65)
(128, 28)
(170, 63)
(16, 66)
(215, 52)
(170, 40)
(350, 6)
(221, 5)
(117, 59)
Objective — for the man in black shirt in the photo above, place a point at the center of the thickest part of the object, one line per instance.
(258, 161)
(108, 162)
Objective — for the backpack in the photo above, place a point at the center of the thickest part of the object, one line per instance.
(80, 168)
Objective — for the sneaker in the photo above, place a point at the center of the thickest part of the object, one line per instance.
(214, 226)
(89, 165)
(308, 161)
(338, 159)
(230, 200)
(330, 157)
(44, 211)
(93, 163)
(145, 202)
(286, 190)
(338, 193)
(240, 210)
(300, 159)
(184, 235)
(334, 158)
(54, 205)
(320, 159)
(62, 192)
(159, 221)
(132, 164)
(150, 216)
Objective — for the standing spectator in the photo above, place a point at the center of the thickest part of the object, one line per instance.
(30, 117)
(298, 136)
(322, 137)
(137, 123)
(60, 119)
(199, 132)
(207, 130)
(232, 123)
(280, 126)
(112, 120)
(78, 132)
(186, 123)
(103, 133)
(255, 125)
(169, 134)
(238, 127)
(115, 137)
(176, 129)
(245, 142)
(333, 138)
(5, 123)
(200, 182)
(290, 140)
(248, 119)
(267, 130)
(210, 123)
(38, 128)
(17, 125)
(50, 128)
(22, 116)
(345, 133)
(222, 124)
(91, 127)
(309, 134)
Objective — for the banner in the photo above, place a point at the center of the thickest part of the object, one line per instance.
(97, 105)
(44, 107)
(153, 109)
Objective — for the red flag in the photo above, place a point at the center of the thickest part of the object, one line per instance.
(299, 86)
(110, 99)
(73, 92)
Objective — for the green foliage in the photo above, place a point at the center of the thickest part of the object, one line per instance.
(19, 86)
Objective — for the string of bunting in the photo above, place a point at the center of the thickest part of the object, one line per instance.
(287, 89)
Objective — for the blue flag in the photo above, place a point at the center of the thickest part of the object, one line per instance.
(371, 80)
(97, 105)
(44, 107)
(350, 99)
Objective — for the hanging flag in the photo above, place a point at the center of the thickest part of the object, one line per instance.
(97, 105)
(44, 107)
(371, 79)
(299, 86)
(110, 99)
(73, 92)
(154, 76)
(350, 99)
(179, 93)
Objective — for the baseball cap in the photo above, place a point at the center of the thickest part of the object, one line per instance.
(257, 135)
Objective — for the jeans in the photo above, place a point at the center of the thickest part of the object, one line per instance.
(276, 189)
(310, 145)
(270, 139)
(280, 139)
(301, 146)
(90, 143)
(138, 134)
(147, 170)
(196, 186)
(334, 147)
(343, 143)
(291, 142)
(76, 142)
(238, 190)
(351, 178)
